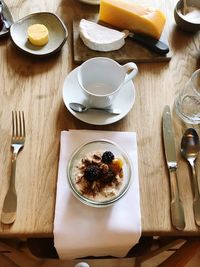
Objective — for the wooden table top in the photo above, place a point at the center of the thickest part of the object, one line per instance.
(35, 86)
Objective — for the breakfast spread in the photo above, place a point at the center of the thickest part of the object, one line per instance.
(38, 34)
(100, 38)
(124, 14)
(99, 176)
(142, 24)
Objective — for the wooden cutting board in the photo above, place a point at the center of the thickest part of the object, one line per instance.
(131, 51)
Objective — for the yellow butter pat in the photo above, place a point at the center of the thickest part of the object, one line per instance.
(125, 14)
(38, 34)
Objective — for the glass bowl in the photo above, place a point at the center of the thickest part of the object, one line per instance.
(100, 194)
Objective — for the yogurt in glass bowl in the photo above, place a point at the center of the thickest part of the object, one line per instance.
(99, 173)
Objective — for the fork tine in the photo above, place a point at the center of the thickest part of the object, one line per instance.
(23, 124)
(13, 124)
(16, 124)
(20, 124)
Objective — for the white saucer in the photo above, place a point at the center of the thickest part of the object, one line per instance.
(73, 93)
(91, 2)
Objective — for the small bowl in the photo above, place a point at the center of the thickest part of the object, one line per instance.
(92, 147)
(185, 23)
(6, 18)
(57, 34)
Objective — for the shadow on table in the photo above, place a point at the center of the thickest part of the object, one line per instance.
(44, 248)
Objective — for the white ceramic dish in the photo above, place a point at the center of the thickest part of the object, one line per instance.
(57, 33)
(90, 147)
(72, 92)
(185, 22)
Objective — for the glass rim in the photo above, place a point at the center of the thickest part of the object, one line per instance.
(191, 80)
(195, 74)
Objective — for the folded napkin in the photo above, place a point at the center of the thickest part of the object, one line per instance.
(81, 230)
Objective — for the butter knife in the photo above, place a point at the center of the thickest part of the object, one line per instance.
(155, 45)
(151, 43)
(177, 212)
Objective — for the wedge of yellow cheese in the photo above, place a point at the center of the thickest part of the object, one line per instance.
(38, 34)
(125, 14)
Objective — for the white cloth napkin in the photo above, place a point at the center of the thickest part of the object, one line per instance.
(81, 230)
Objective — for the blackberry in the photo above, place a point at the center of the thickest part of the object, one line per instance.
(108, 177)
(92, 173)
(107, 157)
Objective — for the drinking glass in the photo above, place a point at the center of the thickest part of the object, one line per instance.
(187, 102)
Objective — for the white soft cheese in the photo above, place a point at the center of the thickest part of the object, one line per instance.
(100, 38)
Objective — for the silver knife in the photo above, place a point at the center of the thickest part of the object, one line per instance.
(177, 212)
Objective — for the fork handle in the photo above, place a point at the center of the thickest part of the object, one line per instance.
(13, 171)
(10, 202)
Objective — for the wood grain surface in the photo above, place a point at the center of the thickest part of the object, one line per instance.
(35, 86)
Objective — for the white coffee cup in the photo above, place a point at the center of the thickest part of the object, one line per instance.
(102, 78)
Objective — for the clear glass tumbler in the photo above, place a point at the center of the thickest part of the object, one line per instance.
(187, 102)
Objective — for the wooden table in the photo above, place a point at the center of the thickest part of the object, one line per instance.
(35, 86)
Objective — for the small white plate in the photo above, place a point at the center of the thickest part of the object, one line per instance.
(57, 33)
(72, 92)
(91, 2)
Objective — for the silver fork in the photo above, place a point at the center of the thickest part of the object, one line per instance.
(17, 142)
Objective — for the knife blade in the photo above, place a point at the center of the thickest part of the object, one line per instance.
(177, 212)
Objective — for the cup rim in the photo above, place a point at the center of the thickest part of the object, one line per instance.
(90, 93)
(98, 95)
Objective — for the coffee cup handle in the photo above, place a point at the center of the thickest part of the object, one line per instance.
(131, 70)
